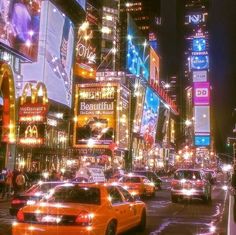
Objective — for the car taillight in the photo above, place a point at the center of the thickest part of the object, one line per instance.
(174, 183)
(84, 218)
(20, 216)
(199, 183)
(17, 201)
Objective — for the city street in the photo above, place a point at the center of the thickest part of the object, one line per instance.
(165, 217)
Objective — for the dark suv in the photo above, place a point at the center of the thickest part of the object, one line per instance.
(152, 177)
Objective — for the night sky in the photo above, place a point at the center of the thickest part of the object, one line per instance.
(222, 28)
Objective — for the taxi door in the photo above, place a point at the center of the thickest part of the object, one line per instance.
(120, 208)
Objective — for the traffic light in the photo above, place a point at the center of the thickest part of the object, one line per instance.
(228, 142)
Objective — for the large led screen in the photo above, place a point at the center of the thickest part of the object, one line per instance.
(150, 117)
(96, 115)
(201, 93)
(137, 62)
(200, 76)
(54, 64)
(19, 26)
(199, 62)
(202, 119)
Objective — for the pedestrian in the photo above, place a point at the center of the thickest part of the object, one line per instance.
(20, 182)
(8, 184)
(233, 184)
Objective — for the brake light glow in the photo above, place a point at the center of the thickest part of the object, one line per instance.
(20, 216)
(174, 183)
(199, 183)
(17, 201)
(84, 218)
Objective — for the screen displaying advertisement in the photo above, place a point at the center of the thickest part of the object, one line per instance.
(199, 44)
(124, 109)
(154, 67)
(85, 52)
(140, 96)
(19, 27)
(196, 18)
(200, 76)
(163, 120)
(55, 58)
(137, 61)
(201, 93)
(199, 62)
(95, 109)
(150, 117)
(202, 140)
(202, 119)
(172, 130)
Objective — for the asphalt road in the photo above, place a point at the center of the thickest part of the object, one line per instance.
(167, 218)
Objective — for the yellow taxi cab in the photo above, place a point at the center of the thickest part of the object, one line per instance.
(138, 185)
(82, 209)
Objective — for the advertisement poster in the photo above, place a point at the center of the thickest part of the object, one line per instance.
(95, 110)
(154, 68)
(199, 44)
(202, 119)
(137, 61)
(124, 122)
(55, 58)
(150, 117)
(201, 93)
(140, 96)
(19, 27)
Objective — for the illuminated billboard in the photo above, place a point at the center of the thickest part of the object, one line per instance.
(163, 120)
(140, 96)
(19, 27)
(202, 119)
(199, 62)
(95, 111)
(200, 76)
(199, 44)
(124, 120)
(85, 52)
(196, 18)
(201, 93)
(154, 67)
(55, 58)
(202, 141)
(137, 61)
(150, 117)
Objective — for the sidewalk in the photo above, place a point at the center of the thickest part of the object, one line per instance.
(231, 223)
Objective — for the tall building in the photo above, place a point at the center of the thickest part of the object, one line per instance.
(196, 77)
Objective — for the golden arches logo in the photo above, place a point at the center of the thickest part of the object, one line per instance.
(31, 132)
(37, 93)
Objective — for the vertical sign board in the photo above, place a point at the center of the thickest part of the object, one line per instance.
(201, 93)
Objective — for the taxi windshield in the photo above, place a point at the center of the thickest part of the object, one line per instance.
(131, 179)
(76, 194)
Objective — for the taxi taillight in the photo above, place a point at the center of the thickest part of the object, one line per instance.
(20, 216)
(84, 218)
(174, 183)
(200, 184)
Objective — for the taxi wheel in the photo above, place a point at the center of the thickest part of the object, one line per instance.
(111, 228)
(142, 224)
